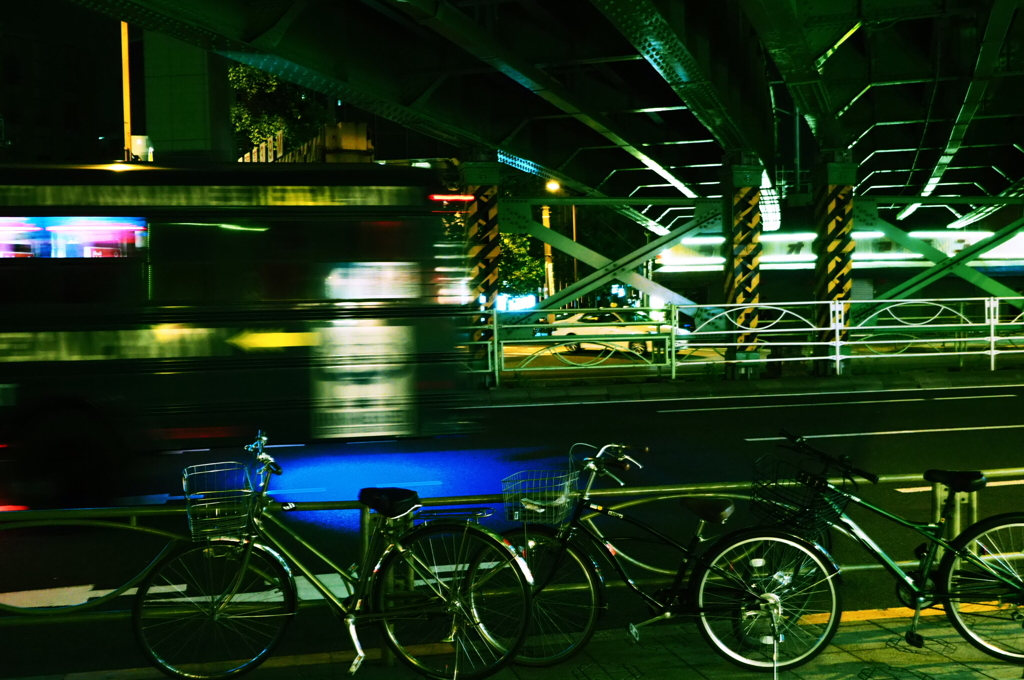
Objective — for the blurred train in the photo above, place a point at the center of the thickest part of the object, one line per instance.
(155, 309)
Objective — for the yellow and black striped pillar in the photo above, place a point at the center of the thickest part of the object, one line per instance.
(834, 248)
(483, 243)
(743, 263)
(741, 218)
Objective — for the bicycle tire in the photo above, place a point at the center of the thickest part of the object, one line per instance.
(176, 625)
(453, 601)
(740, 578)
(568, 597)
(985, 611)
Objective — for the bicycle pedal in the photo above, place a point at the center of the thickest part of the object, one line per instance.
(635, 632)
(914, 639)
(356, 663)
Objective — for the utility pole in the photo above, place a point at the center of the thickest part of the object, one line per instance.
(126, 93)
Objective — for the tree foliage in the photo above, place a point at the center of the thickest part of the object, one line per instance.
(265, 105)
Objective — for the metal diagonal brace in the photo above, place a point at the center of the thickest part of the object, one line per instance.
(517, 219)
(624, 265)
(865, 216)
(947, 265)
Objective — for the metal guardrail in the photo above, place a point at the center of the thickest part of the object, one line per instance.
(963, 332)
(101, 517)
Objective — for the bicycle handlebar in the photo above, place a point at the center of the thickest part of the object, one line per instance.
(269, 464)
(800, 444)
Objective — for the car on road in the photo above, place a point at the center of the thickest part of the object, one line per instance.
(625, 322)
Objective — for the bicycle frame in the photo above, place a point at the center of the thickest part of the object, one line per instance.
(599, 541)
(932, 533)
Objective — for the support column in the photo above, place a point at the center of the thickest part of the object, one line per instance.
(483, 245)
(187, 102)
(483, 242)
(742, 252)
(834, 248)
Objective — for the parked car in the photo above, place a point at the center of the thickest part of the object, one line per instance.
(625, 322)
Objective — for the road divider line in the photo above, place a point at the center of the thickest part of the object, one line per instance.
(1002, 482)
(890, 432)
(710, 397)
(834, 403)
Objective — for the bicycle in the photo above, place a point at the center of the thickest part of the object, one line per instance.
(979, 577)
(779, 614)
(450, 598)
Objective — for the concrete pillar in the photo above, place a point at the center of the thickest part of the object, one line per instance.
(742, 253)
(188, 101)
(834, 246)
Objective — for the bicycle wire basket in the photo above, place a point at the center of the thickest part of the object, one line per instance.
(548, 496)
(218, 499)
(795, 496)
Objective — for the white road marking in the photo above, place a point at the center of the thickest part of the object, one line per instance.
(889, 432)
(835, 403)
(73, 595)
(733, 396)
(68, 596)
(1004, 482)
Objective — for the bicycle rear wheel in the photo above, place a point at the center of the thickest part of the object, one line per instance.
(568, 595)
(764, 593)
(454, 601)
(198, 615)
(986, 610)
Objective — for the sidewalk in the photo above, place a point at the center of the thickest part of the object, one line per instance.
(867, 650)
(718, 388)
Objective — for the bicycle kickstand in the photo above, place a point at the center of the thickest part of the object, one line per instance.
(350, 622)
(634, 628)
(913, 638)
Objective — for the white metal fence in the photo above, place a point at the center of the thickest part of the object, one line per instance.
(865, 336)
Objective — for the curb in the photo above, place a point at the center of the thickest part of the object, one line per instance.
(723, 389)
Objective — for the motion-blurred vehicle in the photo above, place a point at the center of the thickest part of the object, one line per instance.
(624, 322)
(148, 309)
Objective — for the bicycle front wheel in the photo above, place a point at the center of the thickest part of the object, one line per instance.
(568, 595)
(766, 599)
(199, 615)
(454, 601)
(984, 584)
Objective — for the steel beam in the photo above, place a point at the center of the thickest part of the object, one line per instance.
(623, 265)
(656, 38)
(948, 264)
(865, 215)
(454, 25)
(781, 32)
(518, 220)
(988, 59)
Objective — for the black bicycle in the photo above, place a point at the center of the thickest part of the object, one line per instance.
(763, 598)
(976, 577)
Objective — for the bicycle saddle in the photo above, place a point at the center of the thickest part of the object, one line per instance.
(390, 501)
(715, 510)
(957, 480)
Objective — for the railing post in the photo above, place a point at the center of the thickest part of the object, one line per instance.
(365, 531)
(938, 496)
(956, 525)
(992, 312)
(497, 358)
(674, 315)
(838, 321)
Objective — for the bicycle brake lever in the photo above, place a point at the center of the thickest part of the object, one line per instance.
(621, 483)
(633, 461)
